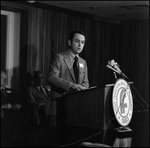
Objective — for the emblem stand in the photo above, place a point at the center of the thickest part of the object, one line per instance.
(123, 109)
(122, 105)
(123, 129)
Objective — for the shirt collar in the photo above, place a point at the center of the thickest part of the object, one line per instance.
(73, 55)
(38, 87)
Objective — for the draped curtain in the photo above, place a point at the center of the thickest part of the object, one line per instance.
(127, 43)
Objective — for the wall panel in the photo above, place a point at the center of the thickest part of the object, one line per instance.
(127, 43)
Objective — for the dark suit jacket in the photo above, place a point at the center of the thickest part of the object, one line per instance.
(61, 75)
(34, 98)
(11, 97)
(10, 117)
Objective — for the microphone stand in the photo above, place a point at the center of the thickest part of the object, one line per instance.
(115, 76)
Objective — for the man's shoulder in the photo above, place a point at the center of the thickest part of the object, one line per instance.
(32, 88)
(62, 53)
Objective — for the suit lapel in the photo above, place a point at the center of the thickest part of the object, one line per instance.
(69, 62)
(43, 96)
(68, 59)
(45, 92)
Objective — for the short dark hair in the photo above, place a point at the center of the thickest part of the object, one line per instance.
(71, 35)
(36, 74)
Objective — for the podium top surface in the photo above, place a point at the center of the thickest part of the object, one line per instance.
(108, 85)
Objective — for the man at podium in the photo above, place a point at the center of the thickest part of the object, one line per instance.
(68, 71)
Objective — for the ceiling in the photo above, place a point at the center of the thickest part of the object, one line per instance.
(115, 10)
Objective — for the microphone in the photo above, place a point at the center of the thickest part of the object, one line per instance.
(115, 70)
(115, 67)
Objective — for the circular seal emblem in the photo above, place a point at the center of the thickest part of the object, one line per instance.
(122, 102)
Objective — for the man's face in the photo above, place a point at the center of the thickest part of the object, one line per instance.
(3, 80)
(39, 79)
(77, 43)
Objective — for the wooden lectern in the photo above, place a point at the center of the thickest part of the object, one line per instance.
(88, 116)
(84, 113)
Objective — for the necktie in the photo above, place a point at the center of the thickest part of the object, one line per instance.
(43, 91)
(76, 68)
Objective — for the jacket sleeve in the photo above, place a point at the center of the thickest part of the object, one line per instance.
(30, 96)
(54, 74)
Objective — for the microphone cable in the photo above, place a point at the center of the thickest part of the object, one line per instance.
(138, 93)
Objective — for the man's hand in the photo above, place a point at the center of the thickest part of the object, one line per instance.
(76, 87)
(9, 106)
(17, 106)
(6, 106)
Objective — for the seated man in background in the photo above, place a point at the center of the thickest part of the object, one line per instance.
(10, 110)
(38, 98)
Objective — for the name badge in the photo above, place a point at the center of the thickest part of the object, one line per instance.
(81, 65)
